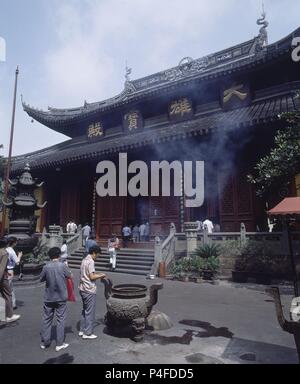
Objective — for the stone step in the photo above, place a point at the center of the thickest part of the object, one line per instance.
(121, 265)
(145, 246)
(119, 257)
(123, 251)
(119, 260)
(135, 261)
(118, 270)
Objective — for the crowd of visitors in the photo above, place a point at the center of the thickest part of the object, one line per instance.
(56, 276)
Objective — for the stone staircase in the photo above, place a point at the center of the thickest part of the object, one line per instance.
(130, 261)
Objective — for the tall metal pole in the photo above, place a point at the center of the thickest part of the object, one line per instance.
(8, 166)
(296, 288)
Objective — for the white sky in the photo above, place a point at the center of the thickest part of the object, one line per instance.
(75, 50)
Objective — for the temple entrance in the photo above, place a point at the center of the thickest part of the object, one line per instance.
(114, 212)
(141, 210)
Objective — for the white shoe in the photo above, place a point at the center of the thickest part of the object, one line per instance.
(43, 346)
(13, 318)
(80, 334)
(90, 337)
(60, 347)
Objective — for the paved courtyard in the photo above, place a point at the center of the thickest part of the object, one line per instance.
(224, 323)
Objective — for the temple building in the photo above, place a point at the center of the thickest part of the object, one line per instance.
(222, 109)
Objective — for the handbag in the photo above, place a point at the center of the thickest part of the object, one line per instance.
(70, 289)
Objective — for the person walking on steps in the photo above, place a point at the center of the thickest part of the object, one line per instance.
(113, 246)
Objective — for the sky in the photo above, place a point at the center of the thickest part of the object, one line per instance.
(70, 51)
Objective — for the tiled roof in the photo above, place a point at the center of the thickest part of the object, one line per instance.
(262, 110)
(235, 59)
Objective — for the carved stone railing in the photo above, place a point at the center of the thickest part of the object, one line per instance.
(191, 233)
(194, 238)
(55, 238)
(164, 251)
(168, 247)
(74, 241)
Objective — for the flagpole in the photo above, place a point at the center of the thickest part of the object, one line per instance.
(8, 166)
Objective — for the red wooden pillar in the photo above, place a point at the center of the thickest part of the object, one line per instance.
(69, 205)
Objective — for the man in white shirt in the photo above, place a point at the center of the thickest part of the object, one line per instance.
(142, 232)
(13, 260)
(71, 228)
(209, 225)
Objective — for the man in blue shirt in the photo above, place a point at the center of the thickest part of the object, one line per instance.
(90, 242)
(126, 235)
(55, 299)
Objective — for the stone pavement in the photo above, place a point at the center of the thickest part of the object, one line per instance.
(224, 323)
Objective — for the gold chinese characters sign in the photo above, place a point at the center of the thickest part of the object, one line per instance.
(95, 131)
(235, 96)
(181, 109)
(133, 121)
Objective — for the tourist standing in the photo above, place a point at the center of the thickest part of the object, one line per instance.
(147, 232)
(86, 233)
(113, 246)
(199, 226)
(142, 232)
(13, 261)
(126, 235)
(55, 276)
(88, 290)
(5, 289)
(71, 228)
(136, 233)
(64, 253)
(209, 225)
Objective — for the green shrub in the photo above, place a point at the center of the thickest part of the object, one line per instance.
(39, 254)
(208, 250)
(259, 256)
(211, 264)
(182, 267)
(231, 249)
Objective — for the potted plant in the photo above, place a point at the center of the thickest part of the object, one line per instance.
(197, 266)
(260, 261)
(207, 250)
(208, 263)
(240, 272)
(261, 268)
(210, 267)
(182, 269)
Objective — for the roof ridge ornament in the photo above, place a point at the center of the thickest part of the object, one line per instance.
(263, 33)
(128, 72)
(129, 86)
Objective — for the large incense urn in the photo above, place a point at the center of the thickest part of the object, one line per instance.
(23, 205)
(128, 307)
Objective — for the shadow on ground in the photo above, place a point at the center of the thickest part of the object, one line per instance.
(248, 351)
(63, 359)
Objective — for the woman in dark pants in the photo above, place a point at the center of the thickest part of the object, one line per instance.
(5, 289)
